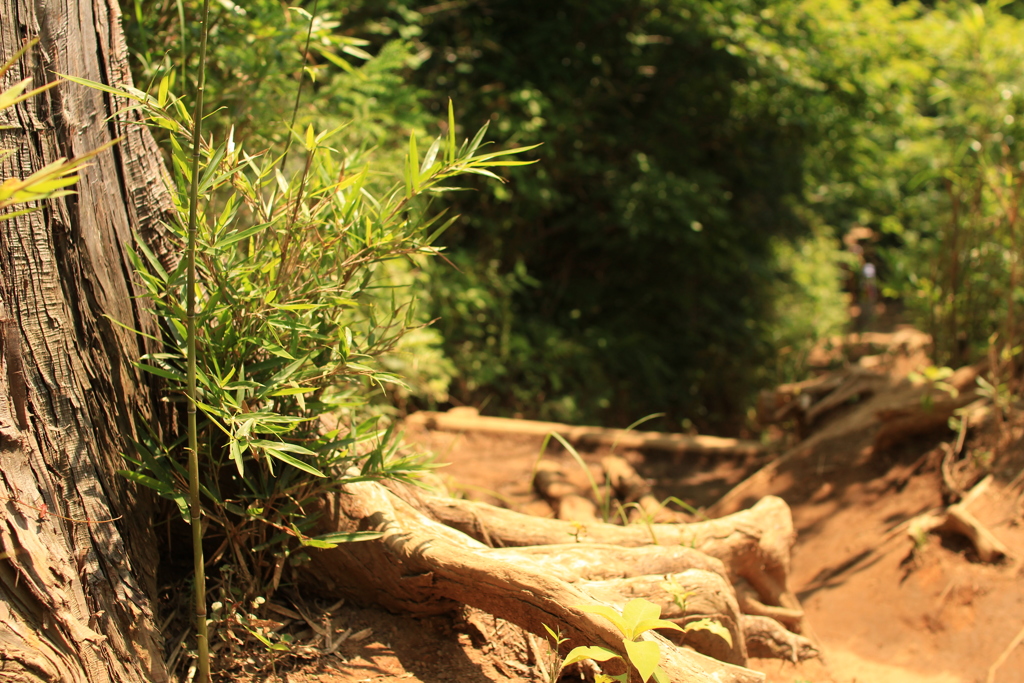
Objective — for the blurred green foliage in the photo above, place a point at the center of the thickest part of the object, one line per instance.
(678, 140)
(958, 262)
(679, 244)
(257, 54)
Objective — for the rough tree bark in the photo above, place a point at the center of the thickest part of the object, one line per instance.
(75, 590)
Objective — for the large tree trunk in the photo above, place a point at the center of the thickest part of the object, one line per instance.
(75, 589)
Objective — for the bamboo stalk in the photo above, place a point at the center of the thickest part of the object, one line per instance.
(194, 505)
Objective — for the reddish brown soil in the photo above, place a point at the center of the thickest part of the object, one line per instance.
(884, 607)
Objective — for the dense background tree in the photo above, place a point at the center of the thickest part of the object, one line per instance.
(680, 241)
(635, 264)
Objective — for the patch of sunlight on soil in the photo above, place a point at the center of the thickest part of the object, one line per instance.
(863, 670)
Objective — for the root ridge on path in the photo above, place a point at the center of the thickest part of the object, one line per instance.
(535, 572)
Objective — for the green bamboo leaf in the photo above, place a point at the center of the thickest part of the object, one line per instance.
(127, 93)
(413, 161)
(17, 55)
(165, 490)
(147, 481)
(333, 540)
(175, 375)
(291, 391)
(451, 148)
(356, 52)
(279, 351)
(407, 174)
(440, 231)
(20, 212)
(278, 454)
(209, 177)
(151, 259)
(337, 61)
(15, 94)
(161, 95)
(298, 307)
(493, 164)
(426, 168)
(484, 172)
(507, 152)
(49, 186)
(477, 140)
(283, 446)
(235, 452)
(239, 236)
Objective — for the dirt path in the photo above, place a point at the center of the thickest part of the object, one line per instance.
(885, 607)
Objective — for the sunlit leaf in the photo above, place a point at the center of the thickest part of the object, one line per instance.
(609, 614)
(595, 652)
(711, 626)
(644, 655)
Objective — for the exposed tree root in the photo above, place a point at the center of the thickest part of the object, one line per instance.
(892, 414)
(435, 554)
(468, 419)
(754, 544)
(750, 603)
(958, 519)
(768, 639)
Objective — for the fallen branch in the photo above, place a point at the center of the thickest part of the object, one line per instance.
(469, 420)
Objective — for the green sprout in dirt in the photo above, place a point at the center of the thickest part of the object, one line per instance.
(602, 494)
(679, 594)
(549, 666)
(603, 498)
(637, 617)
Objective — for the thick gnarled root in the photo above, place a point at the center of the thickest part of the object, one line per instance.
(436, 554)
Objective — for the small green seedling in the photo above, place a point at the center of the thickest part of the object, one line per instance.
(549, 666)
(638, 617)
(678, 593)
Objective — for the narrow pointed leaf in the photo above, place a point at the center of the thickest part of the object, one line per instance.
(293, 461)
(451, 148)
